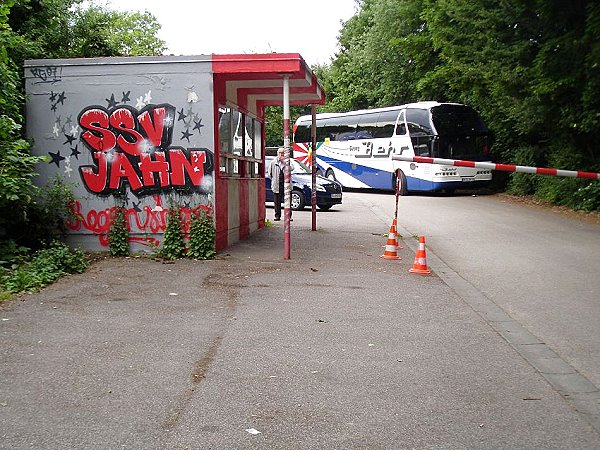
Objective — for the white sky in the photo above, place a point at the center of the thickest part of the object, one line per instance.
(195, 27)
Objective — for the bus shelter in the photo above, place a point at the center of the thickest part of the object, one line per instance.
(149, 134)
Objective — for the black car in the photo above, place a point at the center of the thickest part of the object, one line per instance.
(329, 192)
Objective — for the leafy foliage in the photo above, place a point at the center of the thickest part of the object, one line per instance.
(531, 68)
(173, 245)
(49, 29)
(202, 237)
(44, 268)
(118, 235)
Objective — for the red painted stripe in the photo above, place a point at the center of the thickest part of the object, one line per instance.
(244, 210)
(221, 216)
(592, 175)
(506, 167)
(464, 163)
(248, 63)
(545, 171)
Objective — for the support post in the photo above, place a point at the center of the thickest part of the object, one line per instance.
(313, 164)
(287, 172)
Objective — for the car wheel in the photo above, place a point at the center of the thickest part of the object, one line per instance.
(325, 207)
(297, 200)
(401, 180)
(329, 174)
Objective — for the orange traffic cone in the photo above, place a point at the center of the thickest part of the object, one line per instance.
(420, 264)
(391, 246)
(395, 227)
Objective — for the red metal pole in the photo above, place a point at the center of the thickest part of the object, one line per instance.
(313, 163)
(287, 173)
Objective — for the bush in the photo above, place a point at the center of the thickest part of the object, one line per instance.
(202, 237)
(173, 245)
(45, 267)
(118, 235)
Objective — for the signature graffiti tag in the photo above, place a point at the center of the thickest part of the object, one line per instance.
(148, 220)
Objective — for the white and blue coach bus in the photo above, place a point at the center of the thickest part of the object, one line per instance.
(356, 148)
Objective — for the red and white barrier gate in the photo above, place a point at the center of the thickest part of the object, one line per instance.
(500, 167)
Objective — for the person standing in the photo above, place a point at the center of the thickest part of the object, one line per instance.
(276, 173)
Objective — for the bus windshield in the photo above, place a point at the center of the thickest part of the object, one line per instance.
(457, 120)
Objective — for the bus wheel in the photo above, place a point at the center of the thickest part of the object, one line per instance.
(297, 200)
(402, 185)
(329, 174)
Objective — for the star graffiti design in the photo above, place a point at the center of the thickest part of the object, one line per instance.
(69, 140)
(61, 98)
(148, 97)
(75, 152)
(56, 158)
(126, 98)
(198, 125)
(59, 120)
(75, 130)
(140, 102)
(68, 168)
(53, 107)
(111, 101)
(186, 134)
(136, 206)
(55, 129)
(69, 120)
(52, 96)
(181, 116)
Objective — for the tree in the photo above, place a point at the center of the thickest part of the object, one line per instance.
(50, 29)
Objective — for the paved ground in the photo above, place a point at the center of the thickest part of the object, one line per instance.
(335, 348)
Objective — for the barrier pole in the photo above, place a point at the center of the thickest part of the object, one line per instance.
(397, 193)
(500, 167)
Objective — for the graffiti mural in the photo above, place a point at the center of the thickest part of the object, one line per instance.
(133, 147)
(127, 145)
(149, 220)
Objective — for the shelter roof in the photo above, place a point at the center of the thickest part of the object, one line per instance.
(253, 81)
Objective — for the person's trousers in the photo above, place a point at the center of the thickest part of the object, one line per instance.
(278, 200)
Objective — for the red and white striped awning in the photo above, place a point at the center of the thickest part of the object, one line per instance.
(253, 81)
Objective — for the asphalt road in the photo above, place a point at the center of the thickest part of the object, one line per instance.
(540, 265)
(336, 348)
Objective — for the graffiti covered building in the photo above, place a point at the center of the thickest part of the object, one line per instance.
(150, 133)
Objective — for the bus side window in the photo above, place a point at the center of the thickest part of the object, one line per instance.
(420, 131)
(367, 126)
(386, 122)
(401, 127)
(302, 133)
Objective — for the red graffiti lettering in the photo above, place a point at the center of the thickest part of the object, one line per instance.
(122, 168)
(149, 220)
(122, 119)
(133, 149)
(155, 130)
(151, 167)
(98, 137)
(95, 181)
(180, 166)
